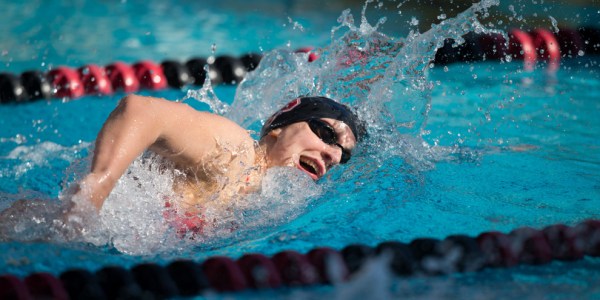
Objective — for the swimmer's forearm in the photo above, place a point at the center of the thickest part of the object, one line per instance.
(131, 128)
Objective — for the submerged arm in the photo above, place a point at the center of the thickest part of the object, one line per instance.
(173, 130)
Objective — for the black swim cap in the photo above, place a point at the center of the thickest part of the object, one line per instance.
(305, 108)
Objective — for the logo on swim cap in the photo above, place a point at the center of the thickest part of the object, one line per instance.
(291, 105)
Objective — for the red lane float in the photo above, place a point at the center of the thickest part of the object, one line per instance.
(295, 268)
(521, 46)
(533, 247)
(94, 80)
(498, 249)
(259, 271)
(122, 76)
(150, 75)
(66, 83)
(224, 274)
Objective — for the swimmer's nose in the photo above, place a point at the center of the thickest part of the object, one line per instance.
(331, 155)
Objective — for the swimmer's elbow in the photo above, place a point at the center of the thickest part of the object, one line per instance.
(133, 105)
(151, 111)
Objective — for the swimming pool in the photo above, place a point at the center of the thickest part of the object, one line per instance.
(526, 155)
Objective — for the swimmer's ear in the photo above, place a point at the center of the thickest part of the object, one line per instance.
(275, 132)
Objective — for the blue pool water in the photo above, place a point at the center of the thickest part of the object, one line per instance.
(515, 148)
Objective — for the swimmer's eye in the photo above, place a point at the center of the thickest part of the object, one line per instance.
(327, 134)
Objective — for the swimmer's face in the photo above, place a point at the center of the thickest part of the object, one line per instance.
(309, 147)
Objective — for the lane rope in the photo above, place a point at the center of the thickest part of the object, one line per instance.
(538, 45)
(321, 265)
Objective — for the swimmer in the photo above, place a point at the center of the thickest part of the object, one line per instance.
(216, 155)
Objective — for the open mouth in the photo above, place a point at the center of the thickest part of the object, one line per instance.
(310, 166)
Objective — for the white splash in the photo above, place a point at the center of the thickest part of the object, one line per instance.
(383, 78)
(207, 95)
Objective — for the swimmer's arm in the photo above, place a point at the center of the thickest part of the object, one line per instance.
(173, 130)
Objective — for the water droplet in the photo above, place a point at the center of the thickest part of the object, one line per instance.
(554, 23)
(414, 21)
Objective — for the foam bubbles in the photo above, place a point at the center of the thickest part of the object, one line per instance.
(285, 193)
(132, 216)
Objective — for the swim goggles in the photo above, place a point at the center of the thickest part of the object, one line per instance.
(327, 134)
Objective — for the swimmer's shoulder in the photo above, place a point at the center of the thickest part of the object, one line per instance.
(230, 138)
(207, 124)
(191, 137)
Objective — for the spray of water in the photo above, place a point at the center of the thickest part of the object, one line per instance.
(383, 78)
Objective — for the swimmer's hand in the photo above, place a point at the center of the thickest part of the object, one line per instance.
(93, 190)
(44, 219)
